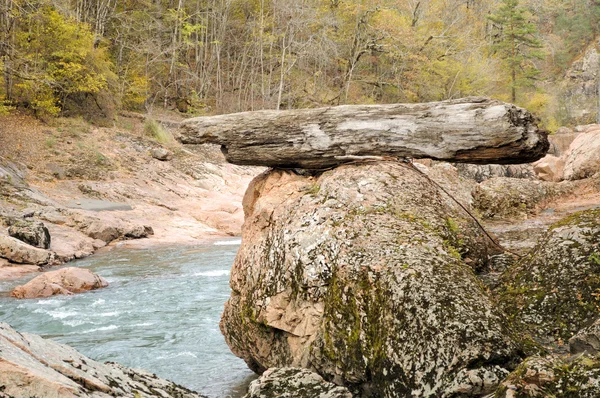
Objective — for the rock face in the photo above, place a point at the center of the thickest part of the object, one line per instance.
(31, 366)
(586, 340)
(553, 290)
(364, 274)
(483, 172)
(553, 377)
(294, 383)
(20, 252)
(34, 233)
(63, 281)
(471, 130)
(583, 157)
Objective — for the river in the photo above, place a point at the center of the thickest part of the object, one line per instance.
(160, 313)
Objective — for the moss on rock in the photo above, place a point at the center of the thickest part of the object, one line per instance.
(554, 291)
(370, 281)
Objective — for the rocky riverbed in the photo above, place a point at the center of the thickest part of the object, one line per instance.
(380, 277)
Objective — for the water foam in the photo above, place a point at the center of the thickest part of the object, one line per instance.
(212, 274)
(228, 242)
(102, 329)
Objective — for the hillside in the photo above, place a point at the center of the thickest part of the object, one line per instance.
(57, 172)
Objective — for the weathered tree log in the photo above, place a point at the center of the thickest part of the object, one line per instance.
(470, 130)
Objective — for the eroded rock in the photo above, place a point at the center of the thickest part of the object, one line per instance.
(294, 383)
(67, 281)
(365, 274)
(31, 366)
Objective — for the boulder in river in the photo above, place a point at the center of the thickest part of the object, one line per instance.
(31, 366)
(471, 130)
(67, 281)
(365, 275)
(553, 290)
(20, 252)
(294, 383)
(32, 232)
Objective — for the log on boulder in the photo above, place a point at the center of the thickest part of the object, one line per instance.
(470, 130)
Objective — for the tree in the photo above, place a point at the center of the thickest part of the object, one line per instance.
(516, 42)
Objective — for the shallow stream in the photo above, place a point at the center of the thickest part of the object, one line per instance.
(160, 313)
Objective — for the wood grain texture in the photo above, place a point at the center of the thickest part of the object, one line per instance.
(470, 130)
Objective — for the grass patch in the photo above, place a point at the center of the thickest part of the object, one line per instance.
(156, 131)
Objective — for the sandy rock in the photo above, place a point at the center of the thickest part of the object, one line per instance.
(294, 383)
(31, 232)
(20, 252)
(583, 157)
(63, 281)
(586, 340)
(563, 130)
(31, 366)
(549, 168)
(553, 376)
(552, 292)
(364, 274)
(161, 154)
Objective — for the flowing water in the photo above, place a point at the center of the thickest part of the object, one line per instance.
(160, 313)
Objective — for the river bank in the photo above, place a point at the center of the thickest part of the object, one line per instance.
(95, 188)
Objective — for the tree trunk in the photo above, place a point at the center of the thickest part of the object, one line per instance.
(471, 130)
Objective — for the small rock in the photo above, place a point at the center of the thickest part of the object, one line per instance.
(549, 168)
(103, 231)
(34, 233)
(161, 154)
(294, 383)
(20, 252)
(586, 340)
(63, 281)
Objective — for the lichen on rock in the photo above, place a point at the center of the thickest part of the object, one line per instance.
(554, 290)
(366, 275)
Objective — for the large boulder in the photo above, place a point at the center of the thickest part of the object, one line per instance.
(31, 366)
(553, 291)
(583, 157)
(364, 274)
(294, 383)
(67, 281)
(32, 232)
(20, 252)
(553, 376)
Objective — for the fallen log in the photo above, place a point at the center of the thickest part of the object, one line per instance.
(470, 130)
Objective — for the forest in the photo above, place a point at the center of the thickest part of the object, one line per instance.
(93, 58)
